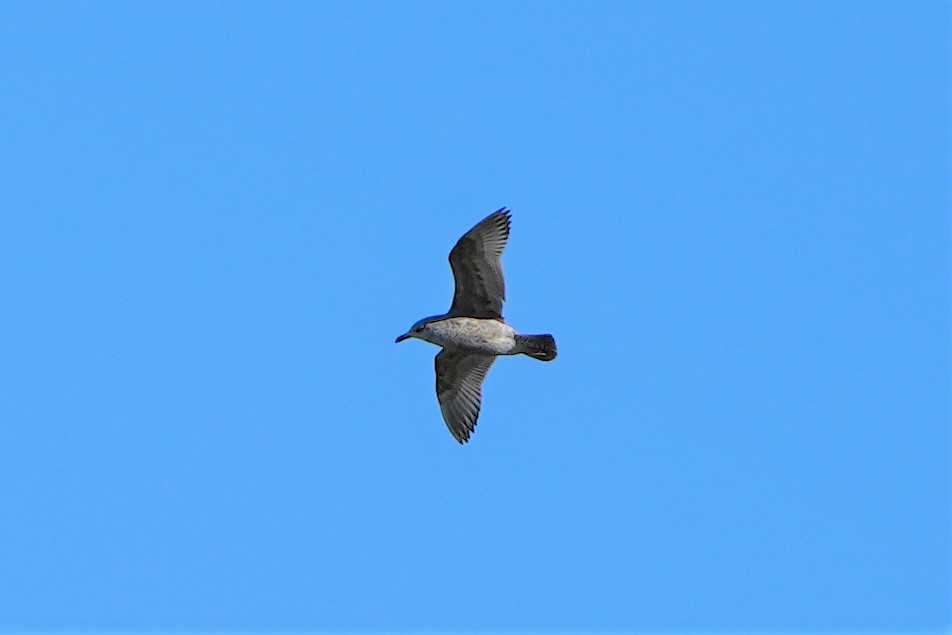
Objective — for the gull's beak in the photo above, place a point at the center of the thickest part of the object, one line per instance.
(402, 337)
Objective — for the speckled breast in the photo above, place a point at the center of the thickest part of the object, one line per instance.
(484, 336)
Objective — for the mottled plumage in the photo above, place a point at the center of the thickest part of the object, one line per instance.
(473, 332)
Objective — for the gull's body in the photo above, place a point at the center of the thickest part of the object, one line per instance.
(473, 332)
(473, 335)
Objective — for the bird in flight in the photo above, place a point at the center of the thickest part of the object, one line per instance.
(473, 333)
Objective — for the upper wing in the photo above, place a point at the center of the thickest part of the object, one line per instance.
(459, 387)
(477, 267)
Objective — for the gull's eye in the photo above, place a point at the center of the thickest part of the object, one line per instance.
(418, 328)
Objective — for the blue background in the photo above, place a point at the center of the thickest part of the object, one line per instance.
(216, 217)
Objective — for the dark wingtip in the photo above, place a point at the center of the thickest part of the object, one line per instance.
(503, 215)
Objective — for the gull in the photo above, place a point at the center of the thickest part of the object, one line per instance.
(473, 333)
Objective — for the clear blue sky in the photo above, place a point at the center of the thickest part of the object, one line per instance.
(216, 217)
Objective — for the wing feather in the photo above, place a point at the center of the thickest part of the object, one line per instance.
(476, 261)
(459, 388)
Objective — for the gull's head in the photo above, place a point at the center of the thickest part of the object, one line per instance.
(417, 330)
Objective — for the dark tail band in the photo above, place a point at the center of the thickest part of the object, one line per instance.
(541, 347)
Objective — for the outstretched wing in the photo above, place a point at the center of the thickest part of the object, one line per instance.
(477, 267)
(459, 387)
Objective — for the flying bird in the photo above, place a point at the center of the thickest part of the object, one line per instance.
(473, 333)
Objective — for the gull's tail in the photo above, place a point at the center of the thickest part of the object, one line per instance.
(537, 346)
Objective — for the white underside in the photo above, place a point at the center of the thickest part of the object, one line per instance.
(490, 337)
